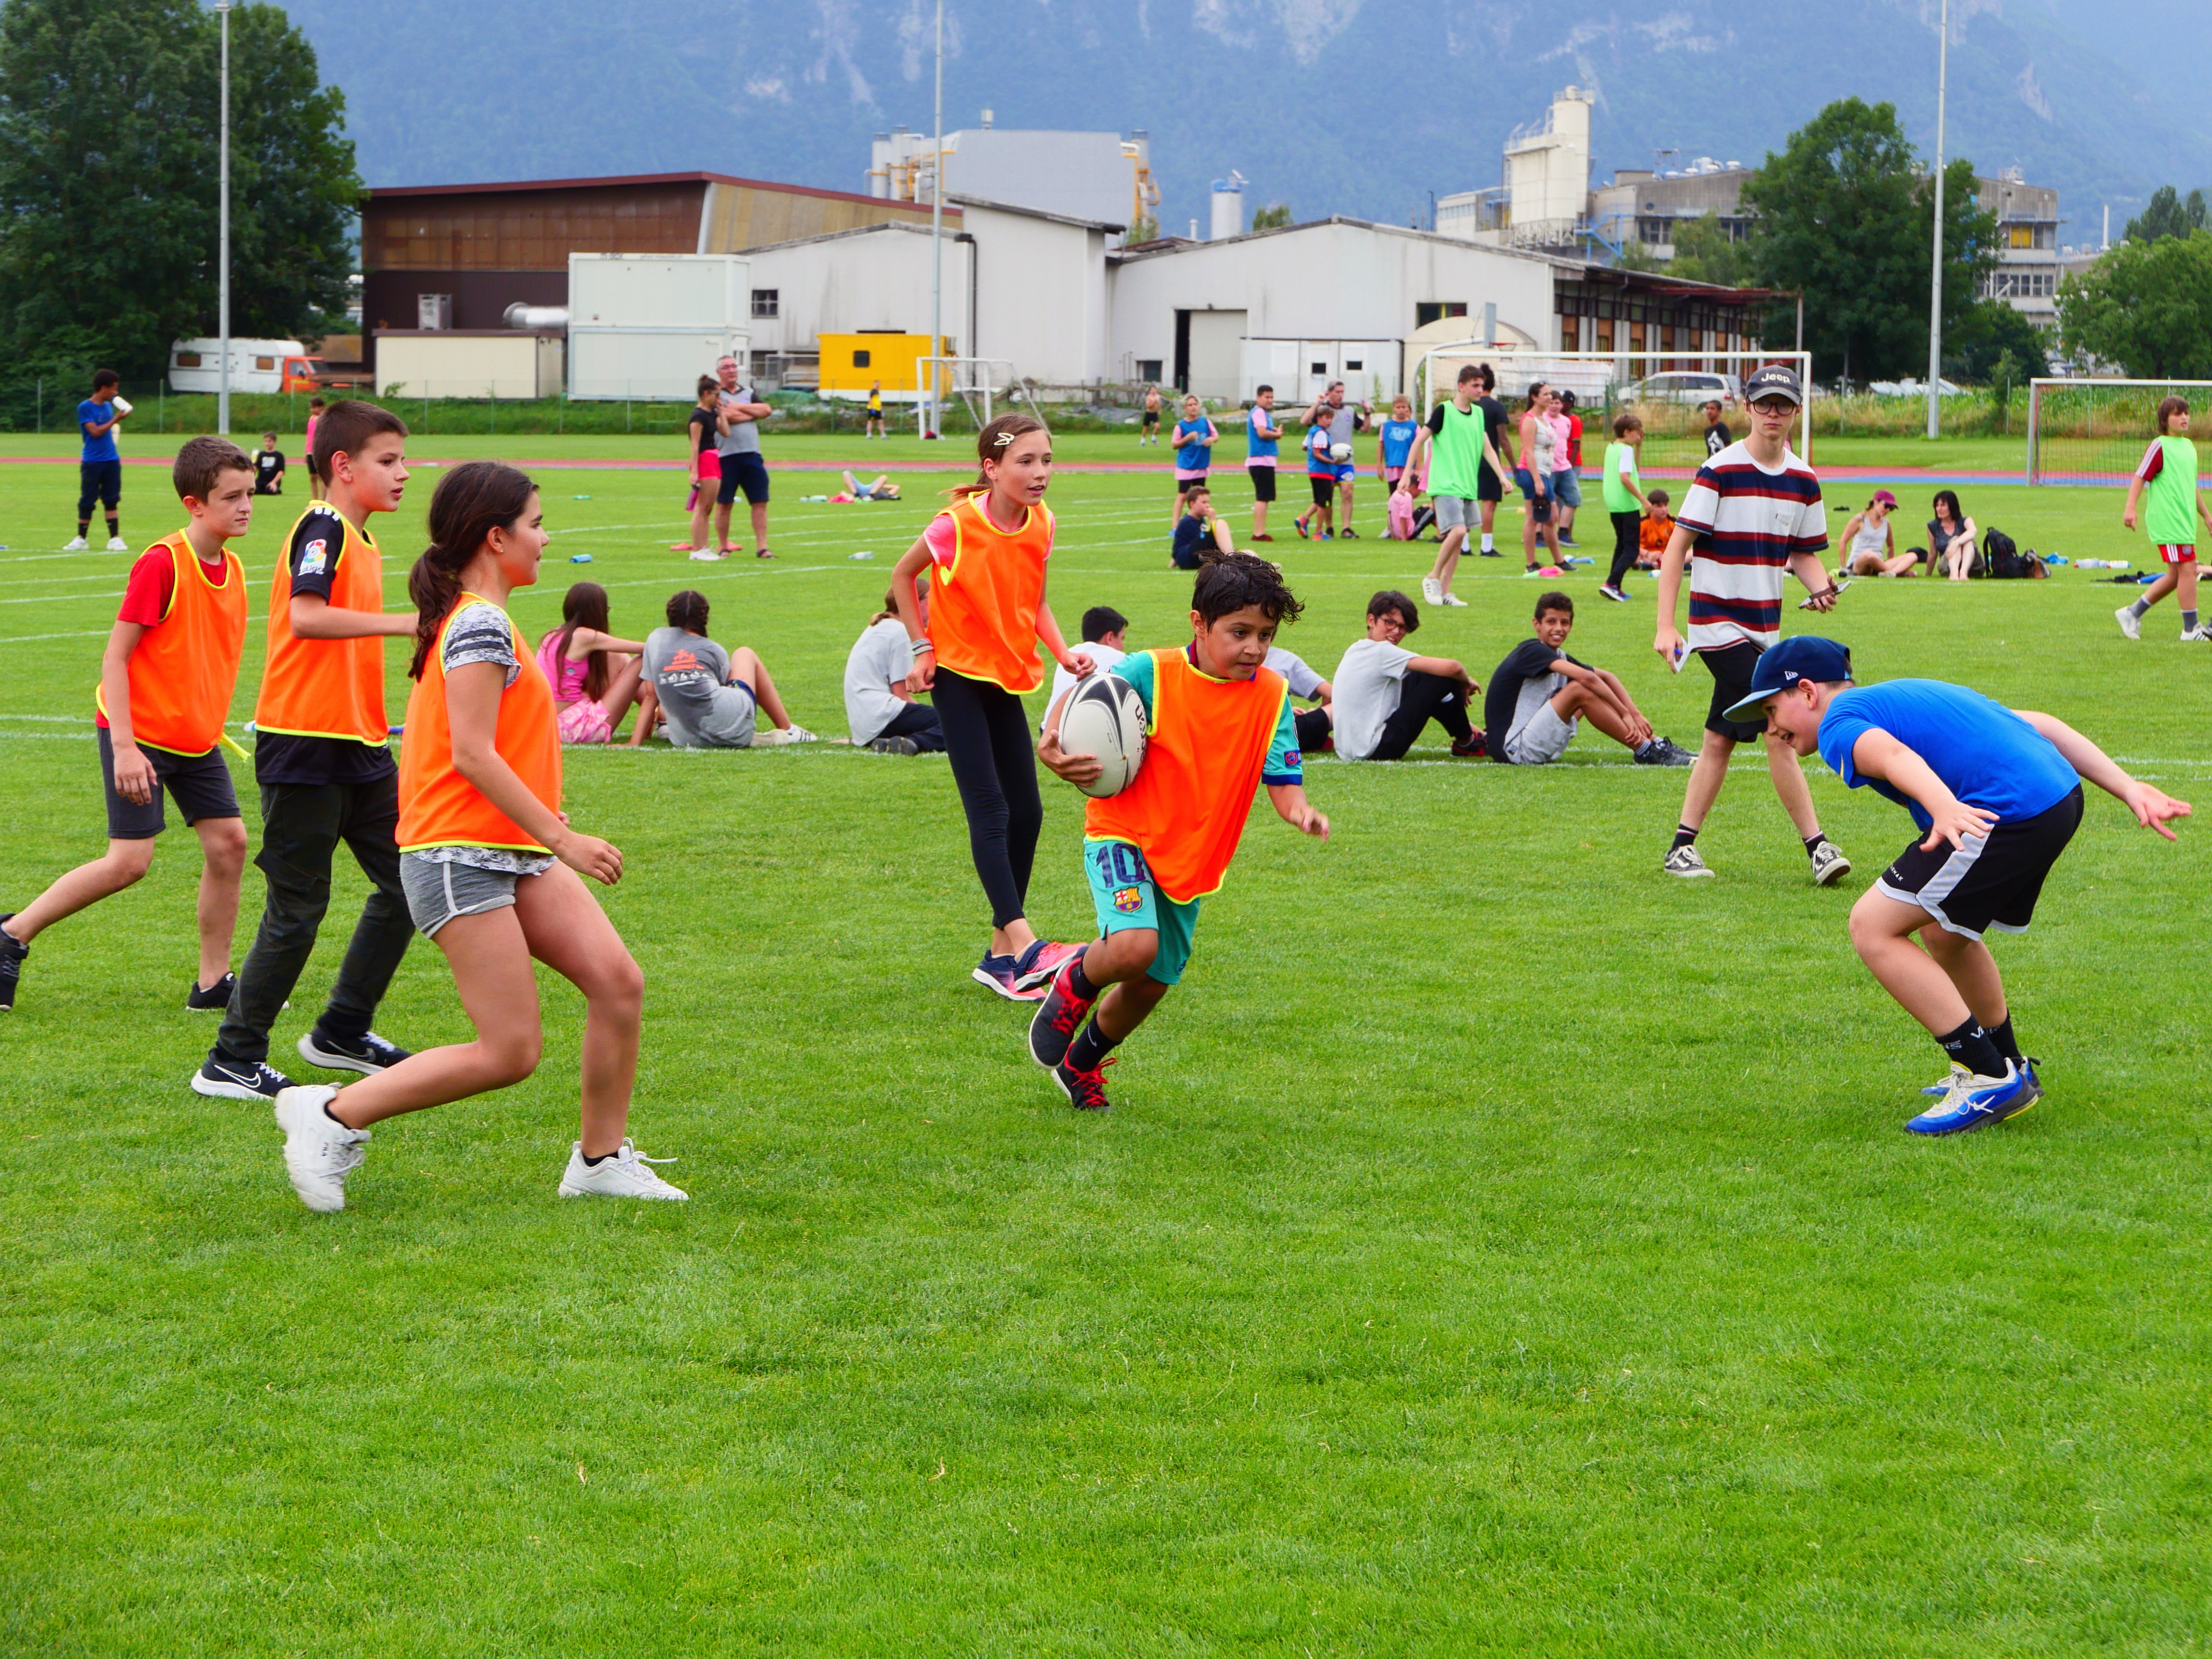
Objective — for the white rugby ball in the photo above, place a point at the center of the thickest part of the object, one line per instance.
(1340, 452)
(1105, 717)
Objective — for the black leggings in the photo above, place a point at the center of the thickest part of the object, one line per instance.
(986, 738)
(1422, 698)
(1627, 528)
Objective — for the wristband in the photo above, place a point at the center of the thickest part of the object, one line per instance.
(917, 647)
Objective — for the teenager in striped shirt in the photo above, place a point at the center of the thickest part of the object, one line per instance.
(1753, 515)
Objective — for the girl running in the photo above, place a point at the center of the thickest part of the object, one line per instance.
(490, 864)
(987, 613)
(591, 692)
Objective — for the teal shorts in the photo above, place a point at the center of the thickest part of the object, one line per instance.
(1122, 889)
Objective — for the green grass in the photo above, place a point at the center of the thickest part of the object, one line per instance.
(1495, 1245)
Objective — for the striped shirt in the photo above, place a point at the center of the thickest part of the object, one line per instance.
(1747, 522)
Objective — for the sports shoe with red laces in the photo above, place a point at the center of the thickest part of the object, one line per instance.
(1039, 965)
(1058, 1019)
(1085, 1091)
(1473, 747)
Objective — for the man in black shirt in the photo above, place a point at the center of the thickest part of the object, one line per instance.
(1718, 436)
(1539, 694)
(268, 467)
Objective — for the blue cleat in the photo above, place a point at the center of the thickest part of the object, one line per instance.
(1975, 1101)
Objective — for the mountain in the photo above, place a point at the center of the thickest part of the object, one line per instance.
(1331, 106)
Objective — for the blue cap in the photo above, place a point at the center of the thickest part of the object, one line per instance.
(1803, 657)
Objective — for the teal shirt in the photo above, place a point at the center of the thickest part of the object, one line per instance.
(1284, 764)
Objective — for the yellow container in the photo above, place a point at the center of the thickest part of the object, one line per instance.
(853, 363)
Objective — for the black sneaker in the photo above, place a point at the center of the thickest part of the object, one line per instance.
(894, 746)
(1085, 1091)
(1057, 1017)
(12, 953)
(239, 1080)
(1473, 746)
(1665, 752)
(215, 1000)
(368, 1053)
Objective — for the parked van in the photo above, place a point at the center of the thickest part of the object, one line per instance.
(255, 365)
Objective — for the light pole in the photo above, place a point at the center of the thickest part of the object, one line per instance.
(222, 234)
(937, 232)
(1935, 278)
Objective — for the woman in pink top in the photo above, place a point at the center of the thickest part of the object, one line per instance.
(1566, 481)
(591, 691)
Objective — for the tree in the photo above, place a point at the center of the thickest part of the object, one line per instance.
(1635, 255)
(1843, 216)
(1273, 217)
(2146, 305)
(1703, 252)
(108, 181)
(1990, 333)
(2167, 215)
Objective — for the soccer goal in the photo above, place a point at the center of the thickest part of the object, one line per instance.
(2094, 432)
(976, 383)
(1667, 390)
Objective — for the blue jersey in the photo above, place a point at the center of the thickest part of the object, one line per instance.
(1255, 446)
(1986, 755)
(1398, 440)
(1318, 442)
(1284, 764)
(92, 412)
(1192, 458)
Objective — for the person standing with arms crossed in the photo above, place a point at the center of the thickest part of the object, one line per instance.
(1261, 435)
(1753, 514)
(738, 449)
(1457, 438)
(322, 754)
(977, 651)
(100, 470)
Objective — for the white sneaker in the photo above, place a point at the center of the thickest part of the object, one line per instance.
(2191, 635)
(1829, 865)
(77, 544)
(1454, 599)
(623, 1176)
(1431, 592)
(799, 735)
(319, 1151)
(1685, 861)
(706, 556)
(2130, 624)
(117, 545)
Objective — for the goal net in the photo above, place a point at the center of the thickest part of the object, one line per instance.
(1668, 391)
(976, 385)
(2094, 432)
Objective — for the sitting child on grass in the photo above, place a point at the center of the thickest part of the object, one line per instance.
(1652, 536)
(1539, 694)
(591, 691)
(711, 698)
(1196, 528)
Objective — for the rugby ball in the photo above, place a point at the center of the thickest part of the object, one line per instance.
(1105, 717)
(1340, 452)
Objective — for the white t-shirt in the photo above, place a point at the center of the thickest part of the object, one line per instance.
(1368, 683)
(1103, 656)
(1294, 668)
(878, 657)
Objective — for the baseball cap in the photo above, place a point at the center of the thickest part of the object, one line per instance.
(1803, 657)
(1883, 498)
(1774, 380)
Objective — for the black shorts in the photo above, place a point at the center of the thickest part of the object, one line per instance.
(1324, 488)
(1731, 670)
(1992, 882)
(1488, 486)
(1184, 486)
(99, 481)
(744, 471)
(201, 784)
(1152, 420)
(1263, 483)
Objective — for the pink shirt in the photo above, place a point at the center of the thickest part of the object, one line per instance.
(567, 677)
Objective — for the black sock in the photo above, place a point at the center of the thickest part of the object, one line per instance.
(594, 1162)
(1089, 1050)
(114, 527)
(2001, 1034)
(1971, 1047)
(1684, 836)
(1813, 843)
(1079, 981)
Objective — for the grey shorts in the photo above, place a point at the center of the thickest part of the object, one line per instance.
(1454, 512)
(438, 891)
(1542, 740)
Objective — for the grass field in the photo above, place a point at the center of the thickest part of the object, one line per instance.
(1495, 1246)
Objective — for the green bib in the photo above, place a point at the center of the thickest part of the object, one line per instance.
(1618, 498)
(2170, 498)
(1456, 453)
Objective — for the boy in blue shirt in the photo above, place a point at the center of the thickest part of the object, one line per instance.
(1196, 529)
(100, 470)
(1195, 438)
(1998, 794)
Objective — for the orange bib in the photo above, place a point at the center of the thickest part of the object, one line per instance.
(439, 807)
(183, 672)
(1204, 755)
(327, 687)
(983, 606)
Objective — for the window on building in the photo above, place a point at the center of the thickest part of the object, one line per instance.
(1435, 311)
(860, 359)
(192, 358)
(1322, 368)
(1353, 365)
(1148, 368)
(764, 302)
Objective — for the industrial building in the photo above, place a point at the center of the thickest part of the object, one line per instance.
(1097, 176)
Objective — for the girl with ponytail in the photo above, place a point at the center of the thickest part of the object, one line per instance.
(975, 649)
(591, 692)
(489, 863)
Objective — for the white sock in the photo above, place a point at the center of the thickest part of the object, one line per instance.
(1489, 545)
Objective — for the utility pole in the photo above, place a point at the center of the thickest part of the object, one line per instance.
(222, 215)
(937, 237)
(1935, 276)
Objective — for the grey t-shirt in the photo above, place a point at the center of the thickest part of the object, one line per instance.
(1293, 667)
(690, 675)
(1369, 683)
(743, 436)
(879, 656)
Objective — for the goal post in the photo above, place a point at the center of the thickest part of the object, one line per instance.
(1666, 389)
(2095, 431)
(975, 382)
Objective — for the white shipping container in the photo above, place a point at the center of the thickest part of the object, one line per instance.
(647, 326)
(255, 365)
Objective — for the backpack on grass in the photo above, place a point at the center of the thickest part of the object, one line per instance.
(2002, 559)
